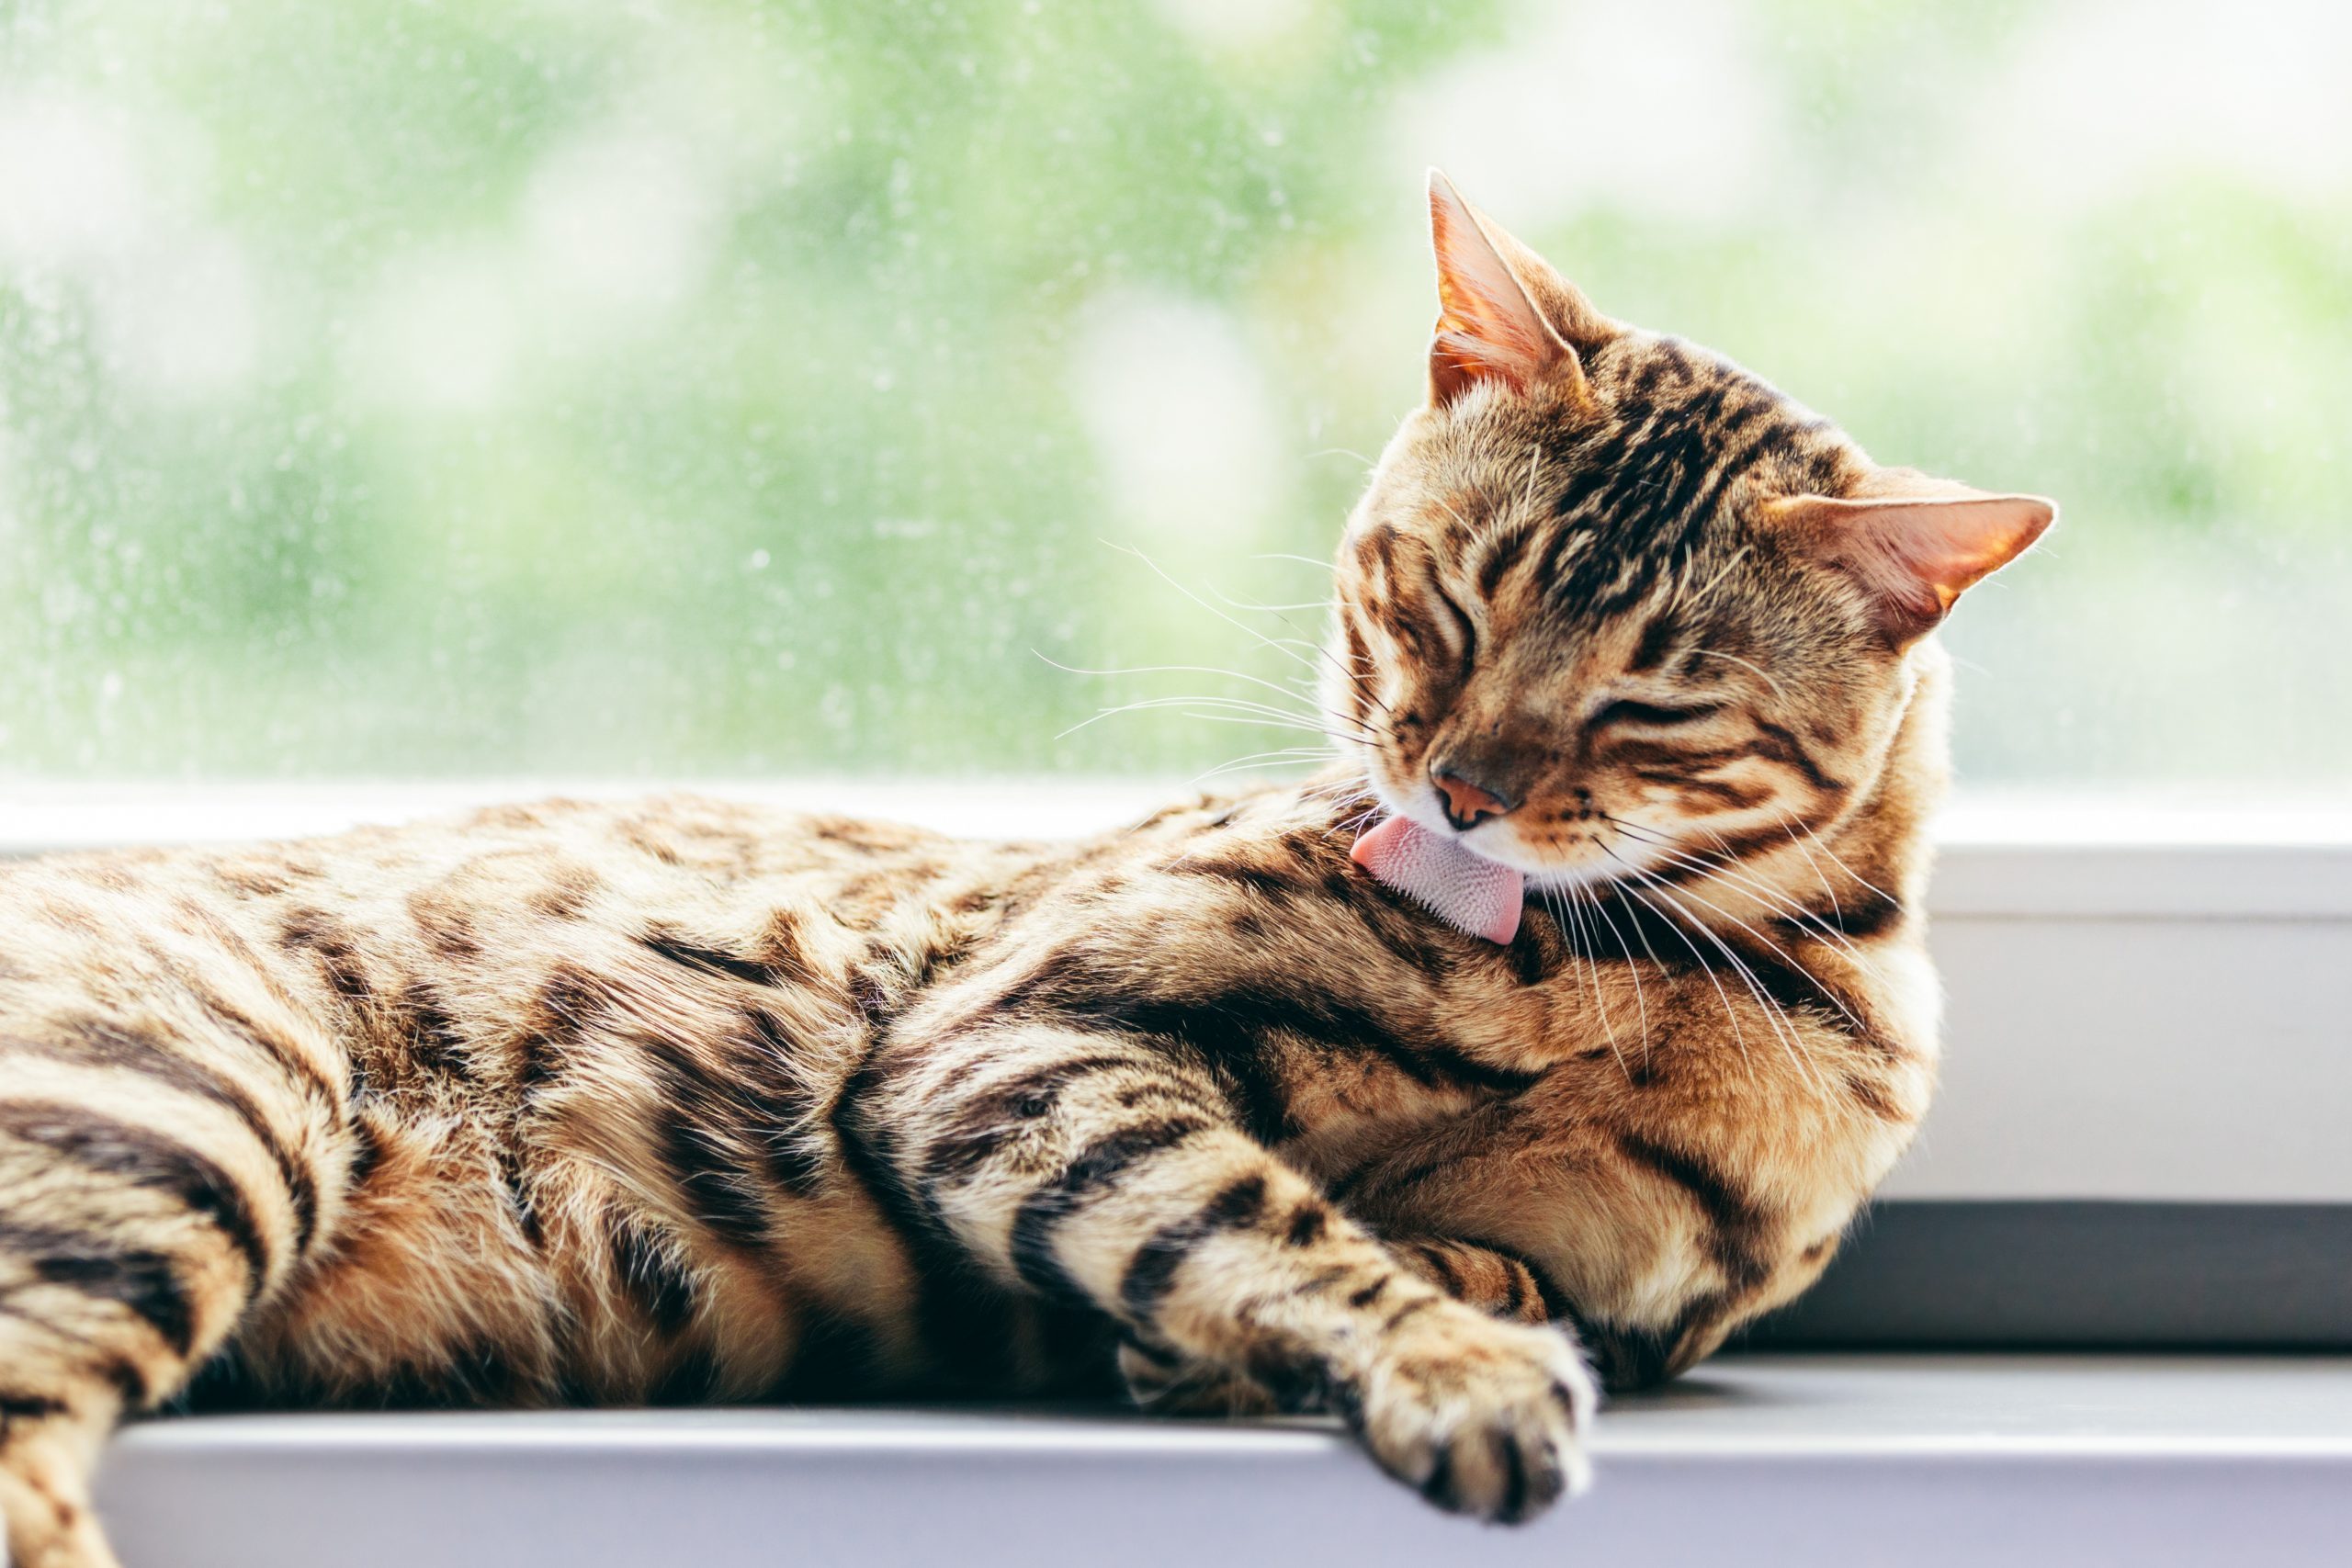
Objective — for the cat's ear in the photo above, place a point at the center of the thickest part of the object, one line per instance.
(1915, 542)
(1488, 329)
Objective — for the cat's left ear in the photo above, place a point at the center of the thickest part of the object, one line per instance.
(1913, 542)
(1488, 329)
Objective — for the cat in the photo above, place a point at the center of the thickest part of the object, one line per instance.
(1585, 1056)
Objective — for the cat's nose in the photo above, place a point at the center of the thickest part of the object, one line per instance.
(1468, 803)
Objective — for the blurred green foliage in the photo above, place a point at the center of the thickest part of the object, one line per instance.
(522, 387)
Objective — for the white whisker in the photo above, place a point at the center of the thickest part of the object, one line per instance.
(1180, 704)
(1798, 1053)
(1761, 673)
(1770, 896)
(1721, 572)
(1229, 601)
(1840, 863)
(1782, 953)
(1640, 1003)
(1731, 1014)
(1169, 670)
(1592, 967)
(1236, 704)
(1283, 757)
(1788, 824)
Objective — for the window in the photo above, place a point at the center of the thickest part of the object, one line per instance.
(392, 389)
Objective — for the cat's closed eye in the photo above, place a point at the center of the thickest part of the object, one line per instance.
(1465, 630)
(1625, 710)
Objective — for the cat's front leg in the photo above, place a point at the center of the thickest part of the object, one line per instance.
(1106, 1170)
(1496, 1283)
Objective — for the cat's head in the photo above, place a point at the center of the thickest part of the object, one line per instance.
(1610, 597)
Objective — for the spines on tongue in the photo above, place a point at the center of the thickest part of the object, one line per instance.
(1465, 890)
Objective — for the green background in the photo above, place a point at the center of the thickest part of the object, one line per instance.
(727, 389)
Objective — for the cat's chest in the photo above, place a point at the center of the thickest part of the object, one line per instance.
(1345, 1112)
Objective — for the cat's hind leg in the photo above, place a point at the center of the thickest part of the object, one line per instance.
(159, 1173)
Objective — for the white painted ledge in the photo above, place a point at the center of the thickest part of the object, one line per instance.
(1926, 1461)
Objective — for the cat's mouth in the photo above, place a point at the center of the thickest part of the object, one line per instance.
(1471, 889)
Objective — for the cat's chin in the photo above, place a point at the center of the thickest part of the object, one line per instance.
(1599, 870)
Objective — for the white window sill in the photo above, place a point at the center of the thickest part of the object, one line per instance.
(1762, 1461)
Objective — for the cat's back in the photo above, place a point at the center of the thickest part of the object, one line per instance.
(484, 1101)
(704, 885)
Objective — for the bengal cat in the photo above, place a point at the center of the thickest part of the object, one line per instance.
(682, 1102)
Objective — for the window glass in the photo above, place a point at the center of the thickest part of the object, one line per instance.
(703, 389)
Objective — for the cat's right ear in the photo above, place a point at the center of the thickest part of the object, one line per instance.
(1487, 327)
(1916, 543)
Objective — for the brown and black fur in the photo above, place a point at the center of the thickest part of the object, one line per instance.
(682, 1101)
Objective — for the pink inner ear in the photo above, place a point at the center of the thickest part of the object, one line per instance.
(1918, 554)
(1932, 550)
(1486, 325)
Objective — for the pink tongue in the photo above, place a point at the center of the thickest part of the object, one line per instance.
(1467, 891)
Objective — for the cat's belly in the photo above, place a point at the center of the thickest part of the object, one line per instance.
(442, 1288)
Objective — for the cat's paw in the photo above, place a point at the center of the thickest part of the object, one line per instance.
(1483, 1417)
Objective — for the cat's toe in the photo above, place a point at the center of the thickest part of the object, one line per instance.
(1483, 1418)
